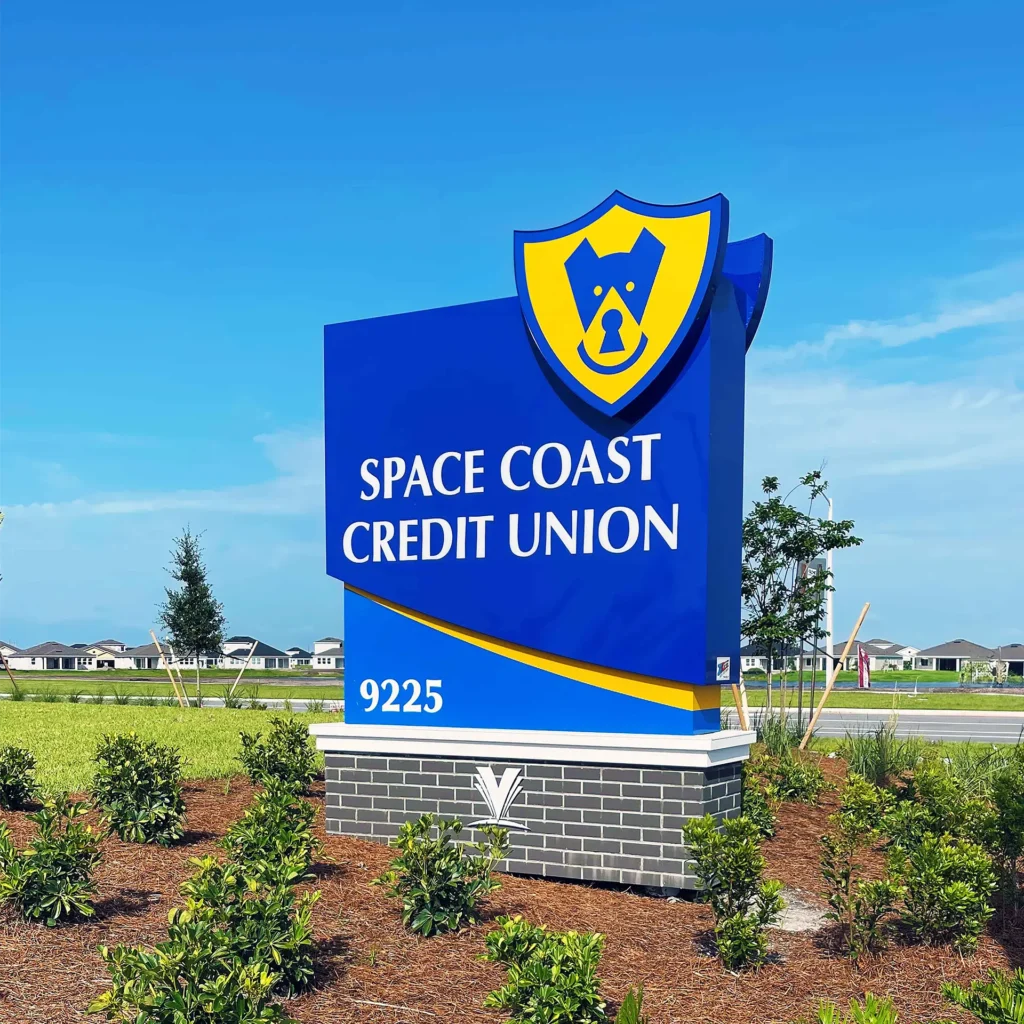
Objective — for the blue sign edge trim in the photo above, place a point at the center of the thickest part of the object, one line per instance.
(718, 235)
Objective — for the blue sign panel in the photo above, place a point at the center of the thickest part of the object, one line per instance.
(535, 502)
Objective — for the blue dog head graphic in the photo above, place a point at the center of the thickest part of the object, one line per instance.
(631, 274)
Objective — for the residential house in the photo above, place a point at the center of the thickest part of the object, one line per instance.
(145, 657)
(755, 656)
(328, 654)
(883, 655)
(112, 645)
(263, 656)
(52, 656)
(7, 649)
(298, 657)
(106, 657)
(237, 643)
(951, 656)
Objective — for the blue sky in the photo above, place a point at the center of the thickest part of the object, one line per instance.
(192, 190)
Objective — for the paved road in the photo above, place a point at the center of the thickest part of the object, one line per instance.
(978, 726)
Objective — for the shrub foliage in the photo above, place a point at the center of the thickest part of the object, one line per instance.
(51, 880)
(138, 784)
(276, 828)
(17, 778)
(285, 754)
(240, 938)
(949, 883)
(440, 881)
(552, 976)
(730, 869)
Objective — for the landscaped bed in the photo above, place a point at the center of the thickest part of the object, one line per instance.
(366, 958)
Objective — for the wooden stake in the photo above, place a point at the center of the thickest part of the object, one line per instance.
(245, 665)
(736, 701)
(746, 706)
(3, 658)
(174, 686)
(835, 675)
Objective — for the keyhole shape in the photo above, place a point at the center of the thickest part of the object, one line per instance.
(611, 321)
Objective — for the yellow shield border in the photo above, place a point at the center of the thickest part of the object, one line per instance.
(693, 320)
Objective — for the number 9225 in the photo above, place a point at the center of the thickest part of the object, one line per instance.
(408, 696)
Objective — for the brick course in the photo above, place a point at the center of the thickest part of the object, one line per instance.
(593, 822)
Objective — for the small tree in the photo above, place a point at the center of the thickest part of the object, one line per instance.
(782, 600)
(191, 615)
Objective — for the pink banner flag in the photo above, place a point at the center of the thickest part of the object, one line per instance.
(863, 668)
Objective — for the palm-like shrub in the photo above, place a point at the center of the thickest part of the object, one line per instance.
(1000, 1000)
(440, 881)
(51, 879)
(138, 784)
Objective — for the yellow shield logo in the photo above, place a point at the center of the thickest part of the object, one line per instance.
(612, 297)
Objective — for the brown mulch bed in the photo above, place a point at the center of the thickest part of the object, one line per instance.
(366, 957)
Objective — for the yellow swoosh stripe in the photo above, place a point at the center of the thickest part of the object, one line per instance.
(688, 696)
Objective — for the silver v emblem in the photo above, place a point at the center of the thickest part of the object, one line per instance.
(499, 797)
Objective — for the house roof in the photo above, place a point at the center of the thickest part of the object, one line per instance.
(875, 649)
(145, 651)
(298, 652)
(53, 649)
(331, 652)
(760, 651)
(13, 647)
(1010, 652)
(100, 647)
(957, 649)
(261, 650)
(240, 640)
(329, 639)
(108, 643)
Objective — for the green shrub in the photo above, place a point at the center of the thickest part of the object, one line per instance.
(438, 880)
(285, 754)
(138, 784)
(276, 827)
(779, 733)
(949, 808)
(760, 802)
(874, 1011)
(880, 756)
(552, 976)
(1008, 829)
(51, 879)
(788, 777)
(1000, 1000)
(631, 1009)
(860, 907)
(948, 885)
(730, 869)
(17, 778)
(236, 942)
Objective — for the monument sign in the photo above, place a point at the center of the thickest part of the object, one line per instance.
(535, 505)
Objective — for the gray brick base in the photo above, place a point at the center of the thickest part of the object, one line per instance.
(587, 821)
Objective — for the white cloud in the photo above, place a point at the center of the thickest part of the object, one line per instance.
(895, 333)
(296, 490)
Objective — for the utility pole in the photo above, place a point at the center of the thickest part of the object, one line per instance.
(828, 597)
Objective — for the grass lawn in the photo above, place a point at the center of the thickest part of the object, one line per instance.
(63, 737)
(155, 675)
(955, 701)
(83, 684)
